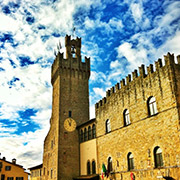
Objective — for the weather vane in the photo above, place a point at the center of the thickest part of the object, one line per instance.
(74, 31)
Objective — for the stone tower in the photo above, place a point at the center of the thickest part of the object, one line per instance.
(69, 78)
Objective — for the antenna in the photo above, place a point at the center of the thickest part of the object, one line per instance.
(59, 47)
(55, 52)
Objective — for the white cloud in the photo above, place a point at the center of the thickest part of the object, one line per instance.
(7, 23)
(134, 56)
(99, 91)
(137, 12)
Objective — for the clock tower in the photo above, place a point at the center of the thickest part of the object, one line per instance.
(70, 108)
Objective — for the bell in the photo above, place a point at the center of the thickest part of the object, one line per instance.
(73, 50)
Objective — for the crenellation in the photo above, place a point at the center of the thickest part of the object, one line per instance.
(150, 69)
(169, 59)
(158, 64)
(142, 71)
(120, 87)
(104, 100)
(135, 74)
(97, 105)
(100, 102)
(72, 66)
(128, 79)
(112, 90)
(178, 59)
(108, 93)
(117, 87)
(122, 82)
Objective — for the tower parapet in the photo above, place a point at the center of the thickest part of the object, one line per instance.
(72, 65)
(140, 79)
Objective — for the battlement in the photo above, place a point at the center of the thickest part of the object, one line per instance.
(138, 78)
(72, 65)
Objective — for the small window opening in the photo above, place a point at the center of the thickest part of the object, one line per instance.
(70, 113)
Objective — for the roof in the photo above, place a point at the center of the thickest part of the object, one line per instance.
(14, 164)
(11, 163)
(86, 123)
(36, 167)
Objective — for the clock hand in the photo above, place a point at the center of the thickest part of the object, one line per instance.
(69, 121)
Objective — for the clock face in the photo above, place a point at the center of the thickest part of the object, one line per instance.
(70, 124)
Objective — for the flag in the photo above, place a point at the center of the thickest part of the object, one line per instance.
(102, 174)
(103, 168)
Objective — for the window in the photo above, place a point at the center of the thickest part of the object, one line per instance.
(70, 113)
(158, 160)
(89, 133)
(51, 144)
(126, 117)
(51, 173)
(73, 51)
(109, 164)
(93, 131)
(10, 178)
(2, 177)
(152, 108)
(44, 171)
(108, 126)
(85, 134)
(7, 168)
(81, 136)
(19, 178)
(93, 167)
(88, 168)
(130, 159)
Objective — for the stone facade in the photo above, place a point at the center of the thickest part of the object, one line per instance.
(70, 99)
(145, 131)
(137, 123)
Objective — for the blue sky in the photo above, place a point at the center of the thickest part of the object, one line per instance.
(118, 35)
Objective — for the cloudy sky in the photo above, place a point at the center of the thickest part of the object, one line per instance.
(118, 35)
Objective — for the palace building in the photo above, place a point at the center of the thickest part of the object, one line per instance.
(136, 131)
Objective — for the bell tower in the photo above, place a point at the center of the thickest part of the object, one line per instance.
(70, 107)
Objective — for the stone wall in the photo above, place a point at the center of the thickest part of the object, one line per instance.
(145, 132)
(70, 78)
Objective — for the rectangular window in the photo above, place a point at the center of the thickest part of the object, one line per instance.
(10, 178)
(19, 178)
(70, 113)
(7, 168)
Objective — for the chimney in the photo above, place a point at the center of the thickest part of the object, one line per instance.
(4, 158)
(14, 161)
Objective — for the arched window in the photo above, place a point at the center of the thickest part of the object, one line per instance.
(51, 173)
(85, 134)
(108, 126)
(109, 167)
(93, 131)
(88, 168)
(93, 167)
(158, 160)
(130, 159)
(152, 108)
(89, 133)
(81, 136)
(126, 117)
